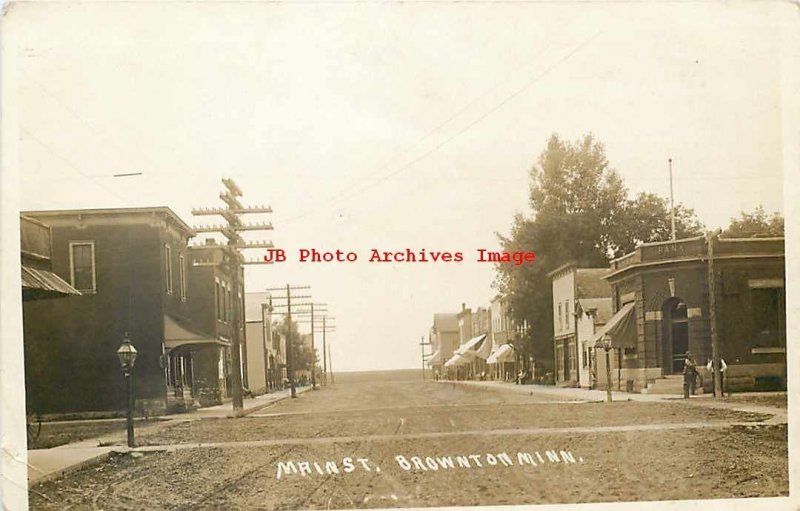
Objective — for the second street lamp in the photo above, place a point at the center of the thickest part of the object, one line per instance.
(605, 344)
(127, 358)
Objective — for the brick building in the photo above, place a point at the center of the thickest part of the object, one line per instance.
(661, 305)
(136, 275)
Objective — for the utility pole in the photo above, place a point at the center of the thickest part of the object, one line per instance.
(289, 347)
(422, 344)
(712, 315)
(266, 335)
(326, 328)
(324, 356)
(313, 347)
(330, 362)
(231, 230)
(671, 202)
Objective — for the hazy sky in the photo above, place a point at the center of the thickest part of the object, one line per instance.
(393, 125)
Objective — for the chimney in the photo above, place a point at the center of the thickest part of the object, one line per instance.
(463, 306)
(210, 241)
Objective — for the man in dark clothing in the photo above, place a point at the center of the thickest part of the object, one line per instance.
(689, 375)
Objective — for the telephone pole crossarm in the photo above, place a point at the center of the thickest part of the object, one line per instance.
(230, 229)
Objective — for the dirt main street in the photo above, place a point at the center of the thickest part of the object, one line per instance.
(384, 442)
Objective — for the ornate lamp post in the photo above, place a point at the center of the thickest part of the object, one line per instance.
(605, 344)
(127, 357)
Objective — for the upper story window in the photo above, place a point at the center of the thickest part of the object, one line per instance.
(566, 315)
(168, 267)
(81, 266)
(182, 277)
(229, 312)
(218, 299)
(224, 302)
(560, 318)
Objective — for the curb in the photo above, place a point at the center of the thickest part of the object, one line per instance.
(245, 413)
(99, 458)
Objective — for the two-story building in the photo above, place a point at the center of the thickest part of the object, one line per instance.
(444, 338)
(210, 307)
(502, 336)
(469, 358)
(136, 276)
(571, 285)
(265, 352)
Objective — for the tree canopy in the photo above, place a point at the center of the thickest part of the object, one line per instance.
(303, 357)
(581, 213)
(755, 225)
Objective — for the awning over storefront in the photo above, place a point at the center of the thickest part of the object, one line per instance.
(621, 327)
(435, 359)
(37, 284)
(176, 335)
(504, 353)
(470, 345)
(459, 360)
(485, 349)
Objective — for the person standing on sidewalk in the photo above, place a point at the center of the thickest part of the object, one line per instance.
(722, 368)
(689, 375)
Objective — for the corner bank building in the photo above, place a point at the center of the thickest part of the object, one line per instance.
(663, 308)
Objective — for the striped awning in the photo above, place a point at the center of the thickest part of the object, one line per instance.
(38, 284)
(471, 344)
(503, 354)
(621, 327)
(459, 360)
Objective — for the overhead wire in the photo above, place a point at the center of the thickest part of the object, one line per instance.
(434, 149)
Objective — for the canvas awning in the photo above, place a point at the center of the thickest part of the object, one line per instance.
(470, 344)
(503, 354)
(176, 335)
(621, 327)
(435, 359)
(459, 360)
(38, 284)
(485, 349)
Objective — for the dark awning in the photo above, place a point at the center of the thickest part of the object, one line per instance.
(621, 327)
(39, 284)
(176, 335)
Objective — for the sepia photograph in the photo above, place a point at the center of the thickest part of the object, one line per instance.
(374, 254)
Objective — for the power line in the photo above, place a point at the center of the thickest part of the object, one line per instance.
(441, 144)
(69, 163)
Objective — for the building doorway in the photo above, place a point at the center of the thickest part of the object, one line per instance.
(677, 335)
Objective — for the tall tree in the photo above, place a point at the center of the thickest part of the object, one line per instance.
(646, 219)
(755, 225)
(581, 213)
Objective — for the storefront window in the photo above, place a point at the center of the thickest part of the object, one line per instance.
(769, 317)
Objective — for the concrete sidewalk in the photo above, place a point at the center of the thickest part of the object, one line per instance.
(779, 415)
(250, 405)
(565, 393)
(48, 464)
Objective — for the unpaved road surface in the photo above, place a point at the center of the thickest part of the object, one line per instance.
(408, 443)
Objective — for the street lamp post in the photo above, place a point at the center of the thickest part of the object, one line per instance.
(127, 357)
(606, 345)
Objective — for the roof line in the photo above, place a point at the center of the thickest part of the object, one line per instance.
(110, 211)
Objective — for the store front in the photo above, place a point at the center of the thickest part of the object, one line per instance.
(662, 304)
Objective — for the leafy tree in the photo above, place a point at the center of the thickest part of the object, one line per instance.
(754, 225)
(581, 213)
(646, 219)
(303, 358)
